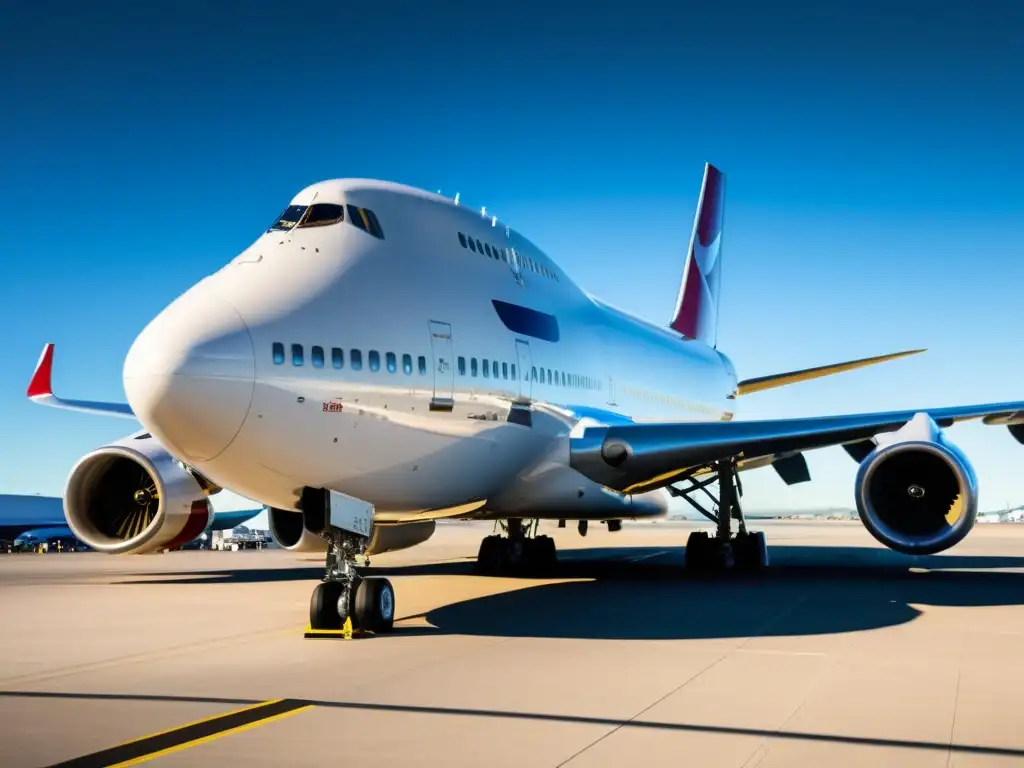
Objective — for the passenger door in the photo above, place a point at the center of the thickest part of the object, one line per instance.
(525, 367)
(444, 370)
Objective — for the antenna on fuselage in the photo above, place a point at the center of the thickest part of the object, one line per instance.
(483, 211)
(456, 198)
(494, 221)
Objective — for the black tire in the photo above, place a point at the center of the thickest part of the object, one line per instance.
(323, 606)
(374, 605)
(491, 556)
(751, 551)
(547, 554)
(698, 550)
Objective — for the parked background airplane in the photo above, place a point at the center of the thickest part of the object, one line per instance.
(385, 346)
(39, 516)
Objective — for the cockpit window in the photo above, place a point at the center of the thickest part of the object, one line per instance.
(322, 214)
(366, 220)
(292, 215)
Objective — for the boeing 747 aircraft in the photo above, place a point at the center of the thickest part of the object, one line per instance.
(382, 357)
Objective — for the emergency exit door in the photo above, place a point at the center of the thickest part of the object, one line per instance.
(525, 367)
(444, 370)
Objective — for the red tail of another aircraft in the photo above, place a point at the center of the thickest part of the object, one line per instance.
(696, 315)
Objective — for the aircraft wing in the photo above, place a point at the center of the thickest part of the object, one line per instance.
(40, 390)
(635, 458)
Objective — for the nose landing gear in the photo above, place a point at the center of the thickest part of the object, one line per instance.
(345, 602)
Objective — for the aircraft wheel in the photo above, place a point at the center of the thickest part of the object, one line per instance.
(491, 556)
(698, 551)
(323, 606)
(751, 551)
(547, 555)
(374, 605)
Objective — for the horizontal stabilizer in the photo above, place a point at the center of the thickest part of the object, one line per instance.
(40, 390)
(748, 386)
(793, 469)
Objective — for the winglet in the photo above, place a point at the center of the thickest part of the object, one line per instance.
(40, 390)
(41, 384)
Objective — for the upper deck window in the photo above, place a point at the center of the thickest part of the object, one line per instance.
(292, 215)
(322, 214)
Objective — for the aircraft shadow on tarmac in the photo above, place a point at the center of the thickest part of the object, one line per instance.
(808, 591)
(643, 593)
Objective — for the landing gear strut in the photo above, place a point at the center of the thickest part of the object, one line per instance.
(521, 549)
(367, 602)
(746, 550)
(344, 600)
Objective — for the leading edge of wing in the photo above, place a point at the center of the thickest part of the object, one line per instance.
(636, 458)
(40, 390)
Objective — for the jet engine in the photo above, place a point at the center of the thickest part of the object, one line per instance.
(133, 497)
(391, 538)
(916, 492)
(288, 531)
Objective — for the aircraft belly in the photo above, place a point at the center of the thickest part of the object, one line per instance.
(386, 448)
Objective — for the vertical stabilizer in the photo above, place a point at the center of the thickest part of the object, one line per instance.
(696, 315)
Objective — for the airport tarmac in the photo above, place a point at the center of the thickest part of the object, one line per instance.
(843, 653)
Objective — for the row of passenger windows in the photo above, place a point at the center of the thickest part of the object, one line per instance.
(324, 214)
(484, 367)
(317, 357)
(563, 379)
(494, 252)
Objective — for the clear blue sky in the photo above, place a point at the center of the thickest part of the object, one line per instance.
(875, 168)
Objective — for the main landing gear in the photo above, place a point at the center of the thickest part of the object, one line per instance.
(344, 599)
(746, 550)
(521, 549)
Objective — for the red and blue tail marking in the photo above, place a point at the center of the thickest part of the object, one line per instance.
(696, 315)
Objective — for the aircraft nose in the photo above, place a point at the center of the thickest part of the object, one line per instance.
(189, 376)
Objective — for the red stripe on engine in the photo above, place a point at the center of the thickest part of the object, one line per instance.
(198, 518)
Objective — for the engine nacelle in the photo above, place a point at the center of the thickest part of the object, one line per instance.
(288, 531)
(133, 497)
(916, 492)
(391, 538)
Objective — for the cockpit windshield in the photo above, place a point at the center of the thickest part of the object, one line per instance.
(316, 215)
(291, 216)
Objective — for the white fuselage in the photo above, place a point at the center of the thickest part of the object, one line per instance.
(417, 429)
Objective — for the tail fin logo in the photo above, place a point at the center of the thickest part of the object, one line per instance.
(696, 315)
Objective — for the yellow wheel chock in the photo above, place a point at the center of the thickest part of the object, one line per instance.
(345, 633)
